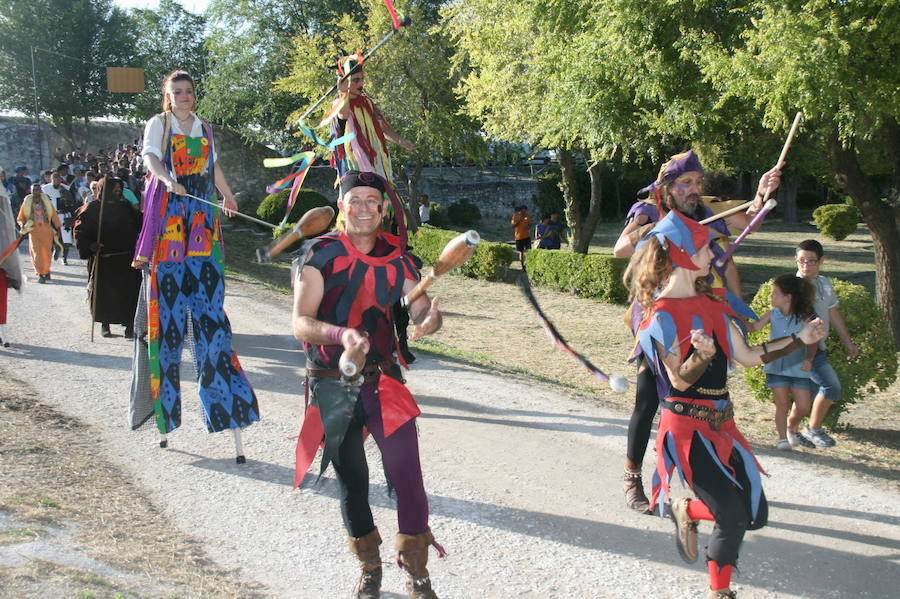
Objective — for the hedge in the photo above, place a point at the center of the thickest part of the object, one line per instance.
(594, 276)
(489, 261)
(876, 366)
(836, 220)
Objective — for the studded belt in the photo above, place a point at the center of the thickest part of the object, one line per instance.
(711, 415)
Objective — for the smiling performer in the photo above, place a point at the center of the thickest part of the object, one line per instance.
(346, 284)
(689, 337)
(180, 246)
(678, 187)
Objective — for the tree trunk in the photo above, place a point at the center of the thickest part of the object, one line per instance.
(789, 198)
(883, 219)
(573, 212)
(412, 186)
(595, 170)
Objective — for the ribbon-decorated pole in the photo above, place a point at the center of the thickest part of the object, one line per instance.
(617, 382)
(396, 25)
(769, 203)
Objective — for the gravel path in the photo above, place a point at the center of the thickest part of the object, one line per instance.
(523, 480)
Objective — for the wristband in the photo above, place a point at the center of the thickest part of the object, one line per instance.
(335, 333)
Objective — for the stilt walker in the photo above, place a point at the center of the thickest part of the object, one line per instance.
(10, 267)
(180, 248)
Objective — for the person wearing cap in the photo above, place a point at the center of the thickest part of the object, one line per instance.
(690, 337)
(346, 284)
(37, 218)
(359, 115)
(677, 188)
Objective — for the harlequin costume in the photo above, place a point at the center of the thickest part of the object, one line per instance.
(697, 434)
(180, 245)
(359, 291)
(647, 391)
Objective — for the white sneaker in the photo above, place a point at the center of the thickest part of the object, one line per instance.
(798, 440)
(783, 445)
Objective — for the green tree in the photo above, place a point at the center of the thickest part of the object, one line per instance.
(410, 78)
(249, 45)
(835, 61)
(168, 38)
(77, 39)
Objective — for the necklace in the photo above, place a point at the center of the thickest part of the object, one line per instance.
(184, 121)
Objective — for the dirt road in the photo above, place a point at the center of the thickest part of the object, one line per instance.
(524, 481)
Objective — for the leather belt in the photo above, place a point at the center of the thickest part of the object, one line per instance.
(370, 372)
(711, 415)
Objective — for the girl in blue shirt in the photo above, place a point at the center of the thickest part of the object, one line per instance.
(792, 304)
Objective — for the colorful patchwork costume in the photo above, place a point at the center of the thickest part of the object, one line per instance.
(697, 434)
(180, 241)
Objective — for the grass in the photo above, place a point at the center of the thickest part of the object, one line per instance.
(491, 325)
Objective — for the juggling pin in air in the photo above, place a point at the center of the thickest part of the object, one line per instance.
(312, 223)
(455, 253)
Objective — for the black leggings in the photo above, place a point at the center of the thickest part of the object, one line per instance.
(646, 402)
(730, 505)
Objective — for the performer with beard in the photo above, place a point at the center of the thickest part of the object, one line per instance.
(113, 284)
(346, 284)
(689, 338)
(678, 187)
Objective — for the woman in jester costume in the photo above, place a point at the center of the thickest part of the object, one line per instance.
(690, 336)
(180, 248)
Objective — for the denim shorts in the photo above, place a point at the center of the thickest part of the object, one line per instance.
(795, 382)
(824, 378)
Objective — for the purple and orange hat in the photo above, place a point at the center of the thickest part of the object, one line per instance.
(677, 165)
(682, 236)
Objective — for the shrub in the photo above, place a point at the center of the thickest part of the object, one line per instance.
(436, 215)
(489, 261)
(463, 213)
(594, 276)
(836, 220)
(272, 207)
(876, 366)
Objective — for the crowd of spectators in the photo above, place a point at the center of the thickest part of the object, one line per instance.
(75, 178)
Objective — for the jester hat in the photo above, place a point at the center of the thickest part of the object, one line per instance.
(677, 165)
(682, 236)
(347, 65)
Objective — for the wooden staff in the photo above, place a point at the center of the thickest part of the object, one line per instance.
(96, 269)
(787, 144)
(312, 223)
(455, 253)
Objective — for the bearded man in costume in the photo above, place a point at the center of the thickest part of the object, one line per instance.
(677, 188)
(689, 337)
(347, 281)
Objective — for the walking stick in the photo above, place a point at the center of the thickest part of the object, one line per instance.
(768, 204)
(405, 22)
(95, 271)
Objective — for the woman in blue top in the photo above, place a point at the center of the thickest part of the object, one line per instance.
(792, 304)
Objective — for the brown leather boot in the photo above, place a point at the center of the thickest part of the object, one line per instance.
(635, 498)
(414, 558)
(366, 549)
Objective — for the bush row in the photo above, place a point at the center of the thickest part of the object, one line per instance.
(876, 366)
(489, 261)
(595, 276)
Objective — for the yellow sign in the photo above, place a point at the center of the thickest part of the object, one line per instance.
(125, 80)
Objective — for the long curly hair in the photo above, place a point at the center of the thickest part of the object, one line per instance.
(649, 269)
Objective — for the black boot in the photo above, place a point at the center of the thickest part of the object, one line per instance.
(104, 330)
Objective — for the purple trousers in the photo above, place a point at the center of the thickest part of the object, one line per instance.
(400, 456)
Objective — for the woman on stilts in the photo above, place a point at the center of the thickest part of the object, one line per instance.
(690, 336)
(180, 247)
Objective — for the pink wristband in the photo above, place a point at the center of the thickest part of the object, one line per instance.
(335, 333)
